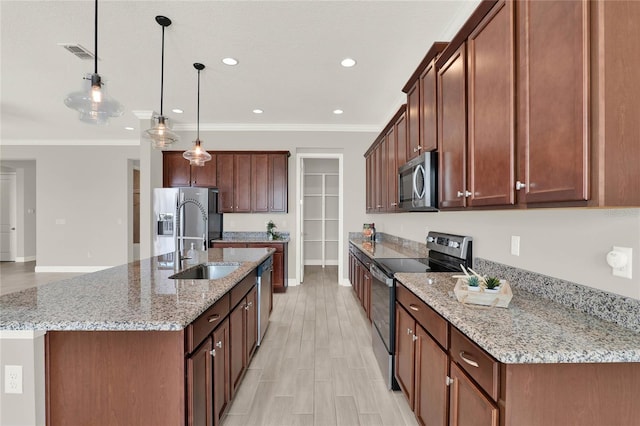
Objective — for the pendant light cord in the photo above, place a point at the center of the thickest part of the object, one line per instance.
(162, 73)
(95, 66)
(198, 114)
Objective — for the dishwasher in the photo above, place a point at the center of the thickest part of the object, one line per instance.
(265, 296)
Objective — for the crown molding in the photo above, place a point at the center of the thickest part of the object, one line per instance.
(252, 127)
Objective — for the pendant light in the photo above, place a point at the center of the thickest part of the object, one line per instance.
(92, 103)
(160, 134)
(196, 155)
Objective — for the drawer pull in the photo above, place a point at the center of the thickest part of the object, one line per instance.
(413, 307)
(214, 318)
(469, 361)
(219, 344)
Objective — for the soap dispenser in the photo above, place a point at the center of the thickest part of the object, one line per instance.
(192, 255)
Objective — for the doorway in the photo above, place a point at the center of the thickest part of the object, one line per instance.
(8, 217)
(320, 211)
(133, 194)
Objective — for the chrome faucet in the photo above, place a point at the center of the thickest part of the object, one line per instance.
(179, 239)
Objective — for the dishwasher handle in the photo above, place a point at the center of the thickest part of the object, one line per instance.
(380, 276)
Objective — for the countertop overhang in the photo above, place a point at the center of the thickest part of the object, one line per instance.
(136, 296)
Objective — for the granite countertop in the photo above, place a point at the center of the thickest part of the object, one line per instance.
(532, 329)
(253, 237)
(136, 296)
(387, 250)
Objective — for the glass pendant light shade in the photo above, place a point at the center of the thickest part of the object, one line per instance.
(161, 134)
(92, 103)
(197, 155)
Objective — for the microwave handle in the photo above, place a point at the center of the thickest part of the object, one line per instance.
(419, 169)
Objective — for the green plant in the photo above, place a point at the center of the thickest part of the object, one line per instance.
(492, 282)
(270, 229)
(473, 281)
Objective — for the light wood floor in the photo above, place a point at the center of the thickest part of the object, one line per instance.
(16, 276)
(316, 365)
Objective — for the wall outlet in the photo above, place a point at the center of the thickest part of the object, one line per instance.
(515, 245)
(12, 379)
(624, 271)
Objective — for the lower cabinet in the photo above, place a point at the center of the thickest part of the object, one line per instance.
(469, 405)
(280, 260)
(221, 378)
(360, 278)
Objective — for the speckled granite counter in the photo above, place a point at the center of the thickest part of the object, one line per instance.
(531, 330)
(253, 237)
(136, 296)
(387, 249)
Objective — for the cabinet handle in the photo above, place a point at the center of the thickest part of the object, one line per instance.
(416, 149)
(214, 318)
(520, 185)
(469, 361)
(413, 307)
(467, 193)
(409, 331)
(414, 338)
(460, 194)
(219, 344)
(379, 206)
(448, 381)
(212, 352)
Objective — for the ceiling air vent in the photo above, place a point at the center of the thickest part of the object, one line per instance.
(78, 50)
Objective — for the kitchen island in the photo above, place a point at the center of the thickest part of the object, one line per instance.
(129, 345)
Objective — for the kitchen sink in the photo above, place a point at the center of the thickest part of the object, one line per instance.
(206, 271)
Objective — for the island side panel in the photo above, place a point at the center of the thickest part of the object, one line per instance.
(115, 377)
(570, 394)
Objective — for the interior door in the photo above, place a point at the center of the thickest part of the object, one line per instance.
(301, 221)
(8, 238)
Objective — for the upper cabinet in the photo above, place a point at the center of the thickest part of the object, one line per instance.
(553, 101)
(178, 173)
(421, 93)
(249, 181)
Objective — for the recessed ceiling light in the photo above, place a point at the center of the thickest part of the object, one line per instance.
(258, 111)
(337, 111)
(230, 61)
(177, 110)
(348, 62)
(129, 128)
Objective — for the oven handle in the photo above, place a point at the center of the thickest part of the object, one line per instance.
(380, 276)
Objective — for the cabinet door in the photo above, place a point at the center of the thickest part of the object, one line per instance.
(428, 108)
(390, 180)
(225, 171)
(413, 121)
(205, 176)
(431, 364)
(176, 171)
(491, 126)
(468, 406)
(199, 385)
(383, 173)
(377, 178)
(405, 349)
(251, 320)
(553, 94)
(366, 293)
(278, 183)
(260, 182)
(237, 342)
(452, 135)
(242, 183)
(401, 143)
(369, 183)
(221, 376)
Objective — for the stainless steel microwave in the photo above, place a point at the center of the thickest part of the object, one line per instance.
(417, 182)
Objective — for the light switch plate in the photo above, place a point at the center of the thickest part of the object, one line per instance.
(515, 245)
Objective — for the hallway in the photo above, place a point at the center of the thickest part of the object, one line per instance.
(316, 365)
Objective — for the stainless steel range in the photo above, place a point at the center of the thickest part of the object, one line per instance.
(446, 253)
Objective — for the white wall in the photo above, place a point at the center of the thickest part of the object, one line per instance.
(570, 244)
(25, 209)
(82, 203)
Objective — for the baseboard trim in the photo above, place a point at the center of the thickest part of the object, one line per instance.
(318, 262)
(345, 282)
(292, 282)
(25, 259)
(71, 269)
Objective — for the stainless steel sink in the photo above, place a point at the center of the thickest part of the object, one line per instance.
(206, 271)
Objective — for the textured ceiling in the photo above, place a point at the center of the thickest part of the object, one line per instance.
(289, 53)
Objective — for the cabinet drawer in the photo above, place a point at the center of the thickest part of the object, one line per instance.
(198, 330)
(242, 288)
(481, 366)
(429, 319)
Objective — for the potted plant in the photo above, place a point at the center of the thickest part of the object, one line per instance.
(271, 234)
(473, 283)
(492, 285)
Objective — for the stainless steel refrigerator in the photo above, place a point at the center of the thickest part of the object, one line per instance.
(193, 212)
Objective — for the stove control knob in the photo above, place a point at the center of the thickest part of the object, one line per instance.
(430, 239)
(454, 244)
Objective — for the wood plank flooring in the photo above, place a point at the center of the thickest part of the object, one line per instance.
(316, 365)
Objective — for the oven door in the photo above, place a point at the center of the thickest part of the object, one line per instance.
(383, 298)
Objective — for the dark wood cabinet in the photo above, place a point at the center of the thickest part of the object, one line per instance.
(468, 405)
(491, 109)
(431, 365)
(553, 101)
(243, 336)
(251, 309)
(369, 183)
(361, 280)
(234, 182)
(177, 172)
(452, 135)
(405, 353)
(429, 107)
(260, 183)
(278, 182)
(199, 378)
(413, 121)
(221, 371)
